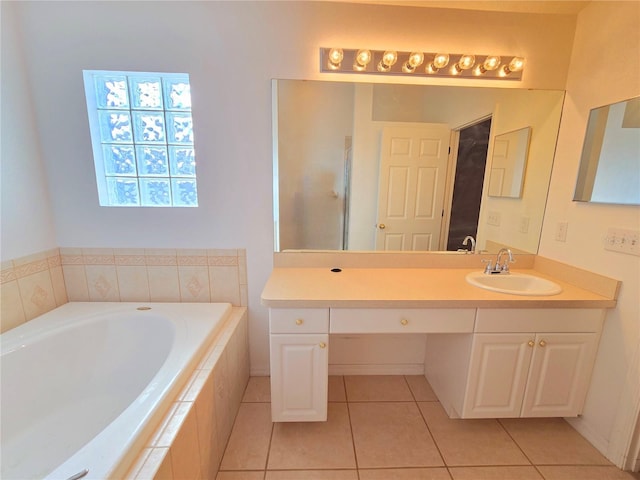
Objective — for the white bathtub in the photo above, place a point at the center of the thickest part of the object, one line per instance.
(84, 385)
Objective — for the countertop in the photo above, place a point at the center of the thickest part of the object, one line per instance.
(409, 288)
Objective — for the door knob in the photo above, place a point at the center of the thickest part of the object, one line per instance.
(382, 226)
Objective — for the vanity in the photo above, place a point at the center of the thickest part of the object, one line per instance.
(488, 354)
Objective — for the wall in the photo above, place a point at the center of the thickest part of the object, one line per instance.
(605, 30)
(231, 50)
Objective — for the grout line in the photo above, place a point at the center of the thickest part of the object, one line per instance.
(353, 439)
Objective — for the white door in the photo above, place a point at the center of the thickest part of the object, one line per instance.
(497, 375)
(413, 166)
(560, 374)
(299, 377)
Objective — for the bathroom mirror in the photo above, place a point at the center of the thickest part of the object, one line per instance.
(610, 162)
(328, 152)
(508, 163)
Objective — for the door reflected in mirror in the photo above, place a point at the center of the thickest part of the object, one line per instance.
(508, 163)
(334, 189)
(610, 162)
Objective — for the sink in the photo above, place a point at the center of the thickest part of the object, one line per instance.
(514, 283)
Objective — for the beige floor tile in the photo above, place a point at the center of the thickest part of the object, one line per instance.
(392, 434)
(312, 475)
(470, 442)
(336, 389)
(495, 473)
(258, 390)
(377, 388)
(584, 473)
(552, 441)
(314, 445)
(248, 444)
(420, 388)
(438, 473)
(240, 475)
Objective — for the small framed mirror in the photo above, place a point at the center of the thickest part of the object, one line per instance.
(508, 163)
(610, 162)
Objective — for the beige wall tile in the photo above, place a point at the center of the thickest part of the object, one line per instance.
(11, 310)
(164, 285)
(210, 448)
(133, 283)
(165, 471)
(223, 281)
(36, 291)
(59, 288)
(185, 453)
(224, 419)
(194, 283)
(102, 283)
(75, 281)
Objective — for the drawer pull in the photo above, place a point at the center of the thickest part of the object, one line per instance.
(531, 343)
(404, 321)
(542, 343)
(323, 345)
(299, 321)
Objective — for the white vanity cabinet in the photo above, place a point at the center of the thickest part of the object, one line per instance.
(299, 344)
(528, 375)
(521, 363)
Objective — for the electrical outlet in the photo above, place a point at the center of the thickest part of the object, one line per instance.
(623, 241)
(494, 219)
(561, 231)
(524, 225)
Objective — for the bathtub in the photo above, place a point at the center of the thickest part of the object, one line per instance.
(84, 385)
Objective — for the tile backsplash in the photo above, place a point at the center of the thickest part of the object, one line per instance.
(38, 283)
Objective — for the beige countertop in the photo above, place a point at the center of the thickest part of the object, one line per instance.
(409, 288)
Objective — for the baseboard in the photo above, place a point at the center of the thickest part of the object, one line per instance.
(582, 427)
(384, 369)
(260, 372)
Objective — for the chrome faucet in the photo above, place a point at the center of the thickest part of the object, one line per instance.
(473, 243)
(504, 268)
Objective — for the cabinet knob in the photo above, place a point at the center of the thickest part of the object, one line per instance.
(382, 226)
(323, 345)
(531, 343)
(404, 321)
(299, 321)
(542, 343)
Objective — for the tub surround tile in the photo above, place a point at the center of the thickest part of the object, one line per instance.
(185, 452)
(496, 473)
(11, 311)
(164, 285)
(471, 442)
(130, 260)
(57, 282)
(165, 471)
(36, 292)
(133, 283)
(552, 441)
(152, 464)
(314, 445)
(436, 473)
(381, 388)
(194, 283)
(75, 281)
(224, 284)
(210, 448)
(392, 434)
(102, 282)
(248, 444)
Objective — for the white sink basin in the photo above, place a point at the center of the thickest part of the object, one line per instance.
(514, 283)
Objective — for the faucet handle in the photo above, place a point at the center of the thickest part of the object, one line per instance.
(489, 268)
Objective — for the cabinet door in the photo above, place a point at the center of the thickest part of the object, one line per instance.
(497, 375)
(559, 375)
(299, 377)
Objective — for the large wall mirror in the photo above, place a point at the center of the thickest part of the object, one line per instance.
(366, 167)
(610, 163)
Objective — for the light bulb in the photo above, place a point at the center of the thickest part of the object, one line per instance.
(490, 63)
(389, 58)
(363, 58)
(414, 61)
(335, 58)
(441, 60)
(515, 65)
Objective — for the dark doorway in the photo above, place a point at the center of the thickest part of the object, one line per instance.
(467, 185)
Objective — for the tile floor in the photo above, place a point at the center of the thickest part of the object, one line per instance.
(393, 427)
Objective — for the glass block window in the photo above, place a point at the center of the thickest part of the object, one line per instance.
(142, 136)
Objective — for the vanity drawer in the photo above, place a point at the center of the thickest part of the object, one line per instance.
(402, 320)
(299, 320)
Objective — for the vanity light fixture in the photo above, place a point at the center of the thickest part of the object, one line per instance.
(391, 62)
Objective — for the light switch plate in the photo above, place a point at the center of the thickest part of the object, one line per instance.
(561, 231)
